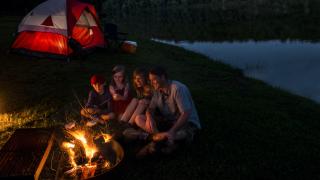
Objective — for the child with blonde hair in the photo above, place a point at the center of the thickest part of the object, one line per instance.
(140, 103)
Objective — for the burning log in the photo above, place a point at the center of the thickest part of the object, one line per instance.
(106, 150)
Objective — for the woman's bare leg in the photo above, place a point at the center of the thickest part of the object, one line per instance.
(140, 121)
(145, 123)
(129, 110)
(139, 110)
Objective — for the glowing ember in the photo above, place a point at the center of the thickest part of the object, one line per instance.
(88, 170)
(107, 164)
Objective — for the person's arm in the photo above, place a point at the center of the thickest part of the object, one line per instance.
(153, 104)
(181, 121)
(116, 96)
(126, 92)
(183, 101)
(90, 100)
(170, 135)
(113, 93)
(150, 124)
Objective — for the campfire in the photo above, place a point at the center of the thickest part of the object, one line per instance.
(89, 155)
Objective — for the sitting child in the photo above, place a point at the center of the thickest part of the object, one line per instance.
(119, 90)
(98, 107)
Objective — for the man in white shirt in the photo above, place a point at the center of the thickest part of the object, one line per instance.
(177, 117)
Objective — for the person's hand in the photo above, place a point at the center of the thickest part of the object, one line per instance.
(164, 136)
(150, 127)
(159, 137)
(91, 123)
(101, 121)
(116, 97)
(70, 125)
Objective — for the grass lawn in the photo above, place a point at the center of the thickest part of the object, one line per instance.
(250, 129)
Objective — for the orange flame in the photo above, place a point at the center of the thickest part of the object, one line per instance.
(91, 149)
(69, 147)
(106, 137)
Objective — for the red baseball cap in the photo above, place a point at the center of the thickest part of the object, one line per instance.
(97, 79)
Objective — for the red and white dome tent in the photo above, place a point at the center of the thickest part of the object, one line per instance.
(55, 27)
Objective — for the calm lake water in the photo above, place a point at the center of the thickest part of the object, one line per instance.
(283, 51)
(290, 65)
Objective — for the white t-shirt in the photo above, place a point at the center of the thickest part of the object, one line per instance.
(178, 100)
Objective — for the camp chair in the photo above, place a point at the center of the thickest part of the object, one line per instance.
(113, 38)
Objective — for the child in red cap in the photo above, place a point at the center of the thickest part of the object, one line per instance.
(98, 106)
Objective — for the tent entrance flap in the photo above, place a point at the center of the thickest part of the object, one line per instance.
(82, 31)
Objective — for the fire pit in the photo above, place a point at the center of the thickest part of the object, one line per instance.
(86, 156)
(40, 153)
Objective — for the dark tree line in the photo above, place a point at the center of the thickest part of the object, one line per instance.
(250, 7)
(217, 19)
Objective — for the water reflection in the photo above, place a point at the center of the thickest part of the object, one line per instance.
(291, 65)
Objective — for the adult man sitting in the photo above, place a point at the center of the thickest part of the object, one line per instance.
(173, 112)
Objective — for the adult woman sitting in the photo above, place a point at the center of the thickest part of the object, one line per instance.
(139, 104)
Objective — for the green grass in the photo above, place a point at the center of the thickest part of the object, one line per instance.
(250, 130)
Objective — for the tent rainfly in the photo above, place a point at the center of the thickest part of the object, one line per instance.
(59, 28)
